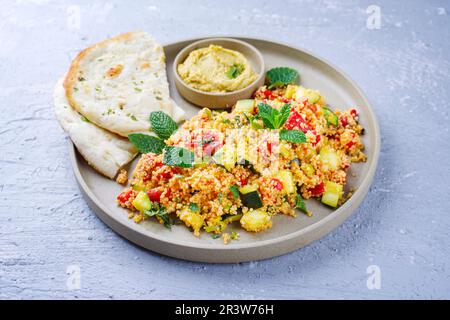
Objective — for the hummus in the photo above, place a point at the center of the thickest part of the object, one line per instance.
(216, 69)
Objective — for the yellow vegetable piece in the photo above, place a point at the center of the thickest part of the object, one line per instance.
(330, 158)
(290, 91)
(142, 202)
(256, 220)
(192, 219)
(287, 179)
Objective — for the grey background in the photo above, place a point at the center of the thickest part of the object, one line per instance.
(403, 226)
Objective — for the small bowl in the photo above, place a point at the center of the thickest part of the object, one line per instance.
(220, 100)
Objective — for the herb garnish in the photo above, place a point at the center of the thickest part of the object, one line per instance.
(295, 136)
(235, 70)
(271, 117)
(281, 76)
(158, 211)
(145, 143)
(162, 124)
(235, 191)
(193, 207)
(300, 204)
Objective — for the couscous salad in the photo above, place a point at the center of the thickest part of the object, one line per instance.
(263, 158)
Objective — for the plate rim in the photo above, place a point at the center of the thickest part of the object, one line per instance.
(354, 201)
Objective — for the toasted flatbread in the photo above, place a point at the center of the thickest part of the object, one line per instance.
(103, 150)
(117, 83)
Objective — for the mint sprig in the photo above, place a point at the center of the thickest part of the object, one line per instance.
(178, 157)
(146, 143)
(281, 76)
(271, 117)
(295, 136)
(162, 124)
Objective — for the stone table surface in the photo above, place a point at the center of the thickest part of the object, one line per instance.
(400, 235)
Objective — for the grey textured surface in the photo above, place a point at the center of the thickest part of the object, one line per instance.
(403, 226)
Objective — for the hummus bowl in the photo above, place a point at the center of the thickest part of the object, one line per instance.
(220, 100)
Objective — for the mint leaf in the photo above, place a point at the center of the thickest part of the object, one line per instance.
(145, 143)
(300, 204)
(193, 207)
(281, 76)
(215, 236)
(178, 157)
(234, 71)
(271, 117)
(235, 191)
(284, 115)
(295, 136)
(267, 114)
(162, 124)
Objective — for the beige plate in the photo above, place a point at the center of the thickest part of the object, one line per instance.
(287, 234)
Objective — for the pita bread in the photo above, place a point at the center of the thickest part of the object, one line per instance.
(104, 151)
(117, 83)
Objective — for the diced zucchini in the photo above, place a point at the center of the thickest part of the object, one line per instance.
(192, 219)
(250, 196)
(308, 169)
(256, 220)
(285, 151)
(331, 117)
(333, 192)
(233, 218)
(248, 188)
(226, 156)
(287, 179)
(312, 95)
(208, 113)
(142, 202)
(330, 158)
(290, 91)
(246, 105)
(138, 187)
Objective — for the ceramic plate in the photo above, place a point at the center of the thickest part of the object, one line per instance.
(287, 233)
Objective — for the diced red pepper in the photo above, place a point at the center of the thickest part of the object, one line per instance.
(157, 165)
(344, 121)
(124, 196)
(277, 184)
(350, 144)
(317, 190)
(268, 94)
(154, 194)
(164, 175)
(177, 170)
(243, 181)
(354, 113)
(296, 121)
(269, 147)
(317, 138)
